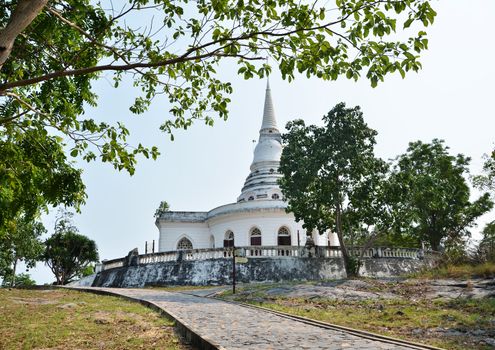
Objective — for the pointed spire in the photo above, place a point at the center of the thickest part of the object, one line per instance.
(269, 121)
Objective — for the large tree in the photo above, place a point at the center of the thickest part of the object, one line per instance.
(431, 194)
(68, 253)
(331, 177)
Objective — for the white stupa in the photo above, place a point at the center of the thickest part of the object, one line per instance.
(258, 218)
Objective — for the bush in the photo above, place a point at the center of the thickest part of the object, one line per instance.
(21, 280)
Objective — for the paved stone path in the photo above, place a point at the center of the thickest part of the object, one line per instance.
(234, 327)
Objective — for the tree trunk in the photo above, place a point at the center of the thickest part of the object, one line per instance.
(435, 239)
(345, 253)
(14, 268)
(25, 12)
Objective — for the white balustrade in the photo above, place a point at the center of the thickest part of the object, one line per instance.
(272, 252)
(112, 264)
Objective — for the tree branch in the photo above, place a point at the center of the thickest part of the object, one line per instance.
(111, 67)
(25, 12)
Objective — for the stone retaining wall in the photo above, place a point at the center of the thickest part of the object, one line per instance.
(256, 269)
(219, 271)
(392, 267)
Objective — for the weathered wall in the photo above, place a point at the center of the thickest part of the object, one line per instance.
(84, 282)
(219, 271)
(270, 269)
(392, 267)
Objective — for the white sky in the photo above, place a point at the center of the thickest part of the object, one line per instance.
(450, 99)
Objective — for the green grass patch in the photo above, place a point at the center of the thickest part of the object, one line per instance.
(66, 319)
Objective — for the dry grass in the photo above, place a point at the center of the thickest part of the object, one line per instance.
(451, 324)
(424, 321)
(65, 319)
(486, 270)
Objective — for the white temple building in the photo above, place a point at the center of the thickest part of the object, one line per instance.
(258, 218)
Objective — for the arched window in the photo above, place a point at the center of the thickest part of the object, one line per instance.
(212, 241)
(229, 239)
(275, 196)
(283, 236)
(255, 236)
(184, 244)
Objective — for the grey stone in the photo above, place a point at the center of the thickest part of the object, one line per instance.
(68, 306)
(489, 341)
(132, 258)
(478, 332)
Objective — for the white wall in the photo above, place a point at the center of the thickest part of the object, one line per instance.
(172, 232)
(268, 221)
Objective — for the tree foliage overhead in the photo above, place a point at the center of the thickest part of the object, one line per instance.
(331, 177)
(432, 195)
(68, 253)
(34, 174)
(52, 51)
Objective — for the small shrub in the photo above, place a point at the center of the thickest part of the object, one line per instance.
(21, 280)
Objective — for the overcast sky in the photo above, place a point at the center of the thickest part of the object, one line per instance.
(451, 99)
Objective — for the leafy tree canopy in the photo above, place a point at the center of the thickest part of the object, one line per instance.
(432, 195)
(331, 178)
(67, 252)
(34, 174)
(19, 241)
(52, 51)
(489, 231)
(486, 181)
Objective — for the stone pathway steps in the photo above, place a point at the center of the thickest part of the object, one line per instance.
(230, 326)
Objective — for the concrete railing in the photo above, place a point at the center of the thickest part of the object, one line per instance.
(384, 252)
(112, 264)
(268, 252)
